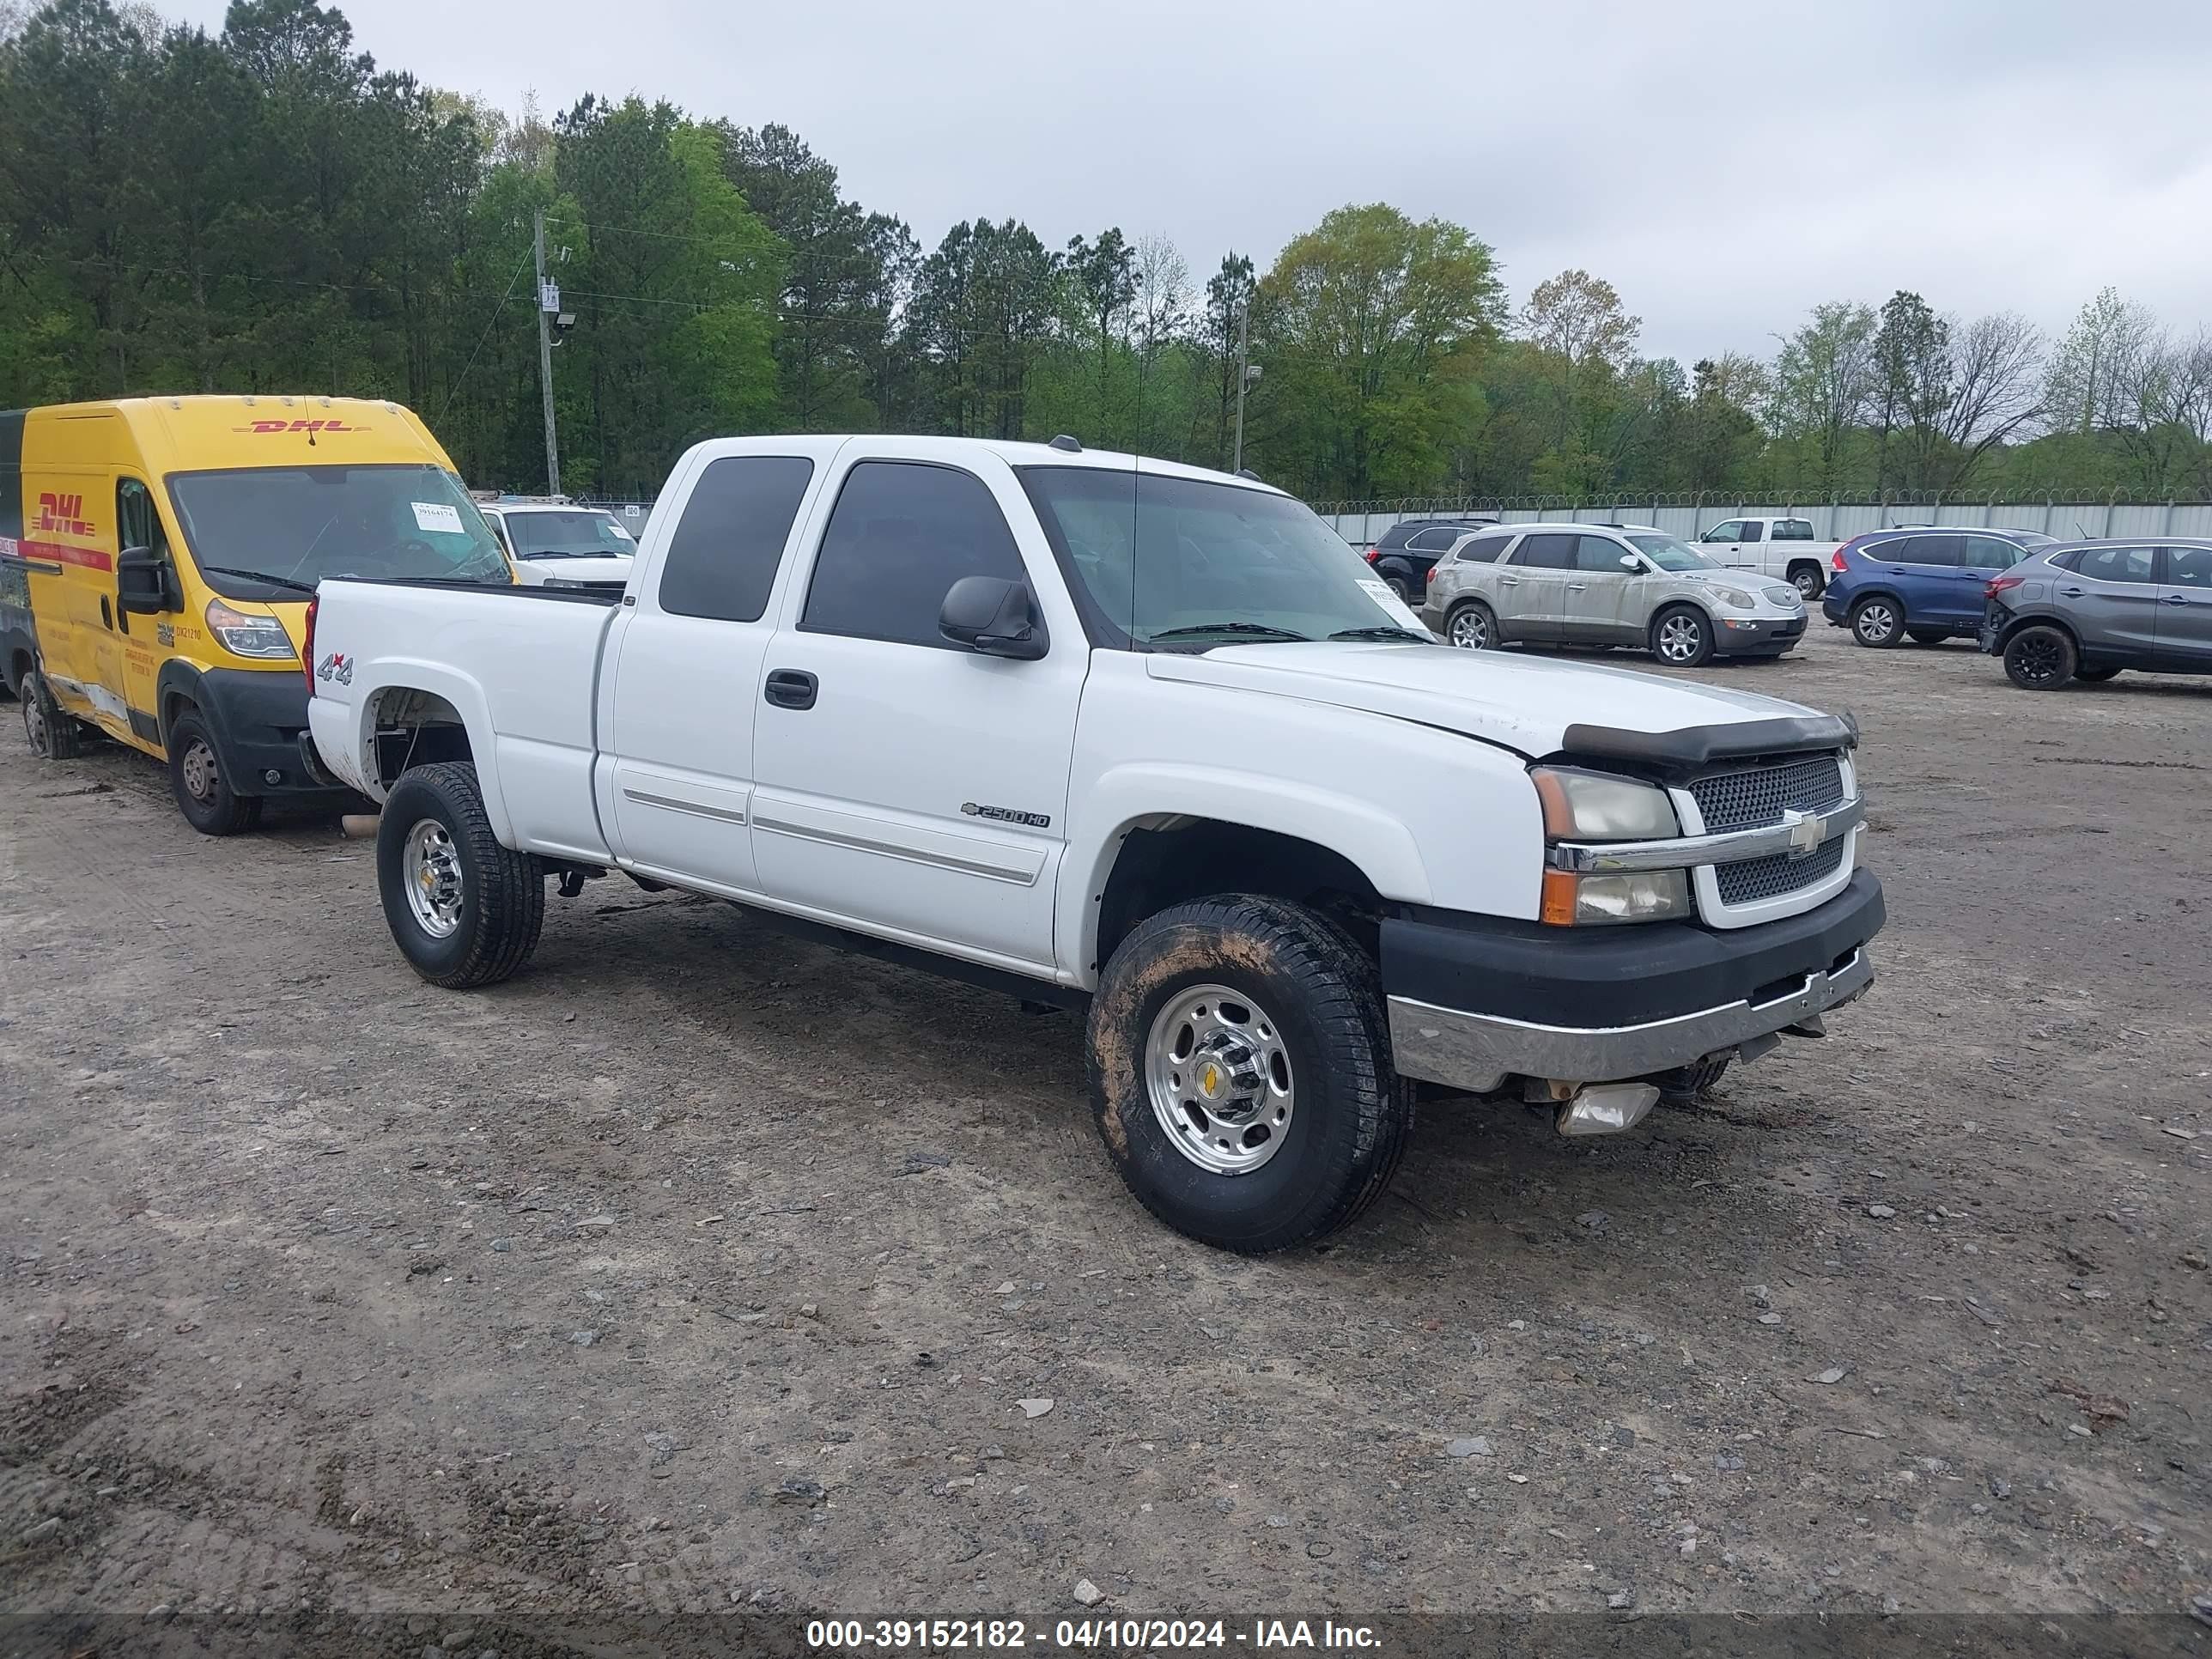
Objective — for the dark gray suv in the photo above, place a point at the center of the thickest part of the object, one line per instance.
(2086, 609)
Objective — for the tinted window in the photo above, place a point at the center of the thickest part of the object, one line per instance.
(1434, 541)
(901, 535)
(1989, 553)
(1547, 552)
(1483, 549)
(1793, 530)
(1752, 529)
(1730, 531)
(1600, 553)
(2186, 567)
(1927, 549)
(1397, 535)
(2118, 564)
(723, 557)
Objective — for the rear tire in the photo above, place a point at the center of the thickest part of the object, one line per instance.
(1682, 636)
(1472, 626)
(1928, 635)
(1397, 585)
(1808, 581)
(1876, 623)
(2040, 659)
(1292, 1013)
(51, 730)
(465, 910)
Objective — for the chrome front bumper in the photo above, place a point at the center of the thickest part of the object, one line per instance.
(1478, 1052)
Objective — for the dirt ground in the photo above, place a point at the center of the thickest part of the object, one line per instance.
(696, 1268)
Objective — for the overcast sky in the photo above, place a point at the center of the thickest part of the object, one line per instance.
(1725, 165)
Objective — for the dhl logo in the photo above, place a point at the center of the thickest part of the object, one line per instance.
(299, 426)
(64, 513)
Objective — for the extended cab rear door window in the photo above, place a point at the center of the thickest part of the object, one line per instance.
(723, 556)
(902, 533)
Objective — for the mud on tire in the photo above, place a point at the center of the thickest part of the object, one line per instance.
(1320, 1001)
(52, 731)
(489, 901)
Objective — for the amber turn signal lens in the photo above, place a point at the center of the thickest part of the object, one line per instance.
(1559, 906)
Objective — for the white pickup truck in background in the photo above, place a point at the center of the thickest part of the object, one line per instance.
(1132, 738)
(1781, 548)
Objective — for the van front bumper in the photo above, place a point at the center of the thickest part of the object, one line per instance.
(257, 718)
(1475, 1000)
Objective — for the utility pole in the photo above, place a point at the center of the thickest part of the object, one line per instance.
(1243, 377)
(545, 359)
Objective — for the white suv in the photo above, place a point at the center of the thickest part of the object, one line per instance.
(1603, 584)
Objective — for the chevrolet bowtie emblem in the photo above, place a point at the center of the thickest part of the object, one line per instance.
(1808, 830)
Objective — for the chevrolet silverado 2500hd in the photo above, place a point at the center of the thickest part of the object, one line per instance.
(1131, 737)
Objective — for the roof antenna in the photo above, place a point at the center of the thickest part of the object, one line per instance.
(1066, 444)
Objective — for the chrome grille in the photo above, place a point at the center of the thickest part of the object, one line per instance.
(1754, 879)
(1755, 796)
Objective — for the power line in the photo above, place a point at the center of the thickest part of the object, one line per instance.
(455, 391)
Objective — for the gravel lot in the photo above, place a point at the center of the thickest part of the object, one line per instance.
(698, 1268)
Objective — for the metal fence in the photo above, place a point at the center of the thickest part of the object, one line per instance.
(1832, 521)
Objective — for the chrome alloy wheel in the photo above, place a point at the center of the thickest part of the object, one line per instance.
(1680, 638)
(1219, 1078)
(432, 868)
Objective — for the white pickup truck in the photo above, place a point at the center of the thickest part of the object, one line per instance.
(1781, 548)
(1131, 737)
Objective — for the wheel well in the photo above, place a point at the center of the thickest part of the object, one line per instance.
(1180, 859)
(175, 705)
(416, 728)
(2019, 625)
(19, 663)
(1796, 565)
(1890, 594)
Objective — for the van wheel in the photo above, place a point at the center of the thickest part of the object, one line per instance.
(1682, 636)
(464, 910)
(2039, 659)
(203, 795)
(51, 730)
(1471, 627)
(1875, 621)
(1241, 1074)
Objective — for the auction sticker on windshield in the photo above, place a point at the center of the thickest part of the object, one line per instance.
(437, 516)
(1381, 593)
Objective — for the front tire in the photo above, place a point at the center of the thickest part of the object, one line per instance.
(1876, 623)
(2040, 659)
(2095, 676)
(1682, 636)
(51, 730)
(1472, 627)
(465, 910)
(1240, 1073)
(203, 794)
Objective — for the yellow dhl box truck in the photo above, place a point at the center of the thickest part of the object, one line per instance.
(157, 557)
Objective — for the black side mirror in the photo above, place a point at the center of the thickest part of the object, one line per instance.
(142, 583)
(994, 616)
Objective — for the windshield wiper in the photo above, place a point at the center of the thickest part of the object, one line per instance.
(308, 589)
(1243, 629)
(1382, 631)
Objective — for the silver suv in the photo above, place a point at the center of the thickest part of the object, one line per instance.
(1603, 584)
(2085, 610)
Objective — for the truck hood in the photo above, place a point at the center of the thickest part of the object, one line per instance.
(1525, 703)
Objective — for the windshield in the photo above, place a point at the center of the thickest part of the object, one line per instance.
(299, 523)
(574, 534)
(1183, 562)
(1669, 554)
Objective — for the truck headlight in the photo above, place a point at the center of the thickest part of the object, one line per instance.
(1572, 901)
(245, 634)
(1599, 807)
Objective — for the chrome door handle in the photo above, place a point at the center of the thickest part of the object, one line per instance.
(1577, 588)
(2177, 598)
(1509, 581)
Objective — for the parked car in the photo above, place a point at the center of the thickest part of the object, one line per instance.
(1410, 548)
(1134, 737)
(1784, 549)
(2086, 610)
(168, 547)
(1595, 584)
(1923, 583)
(561, 545)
